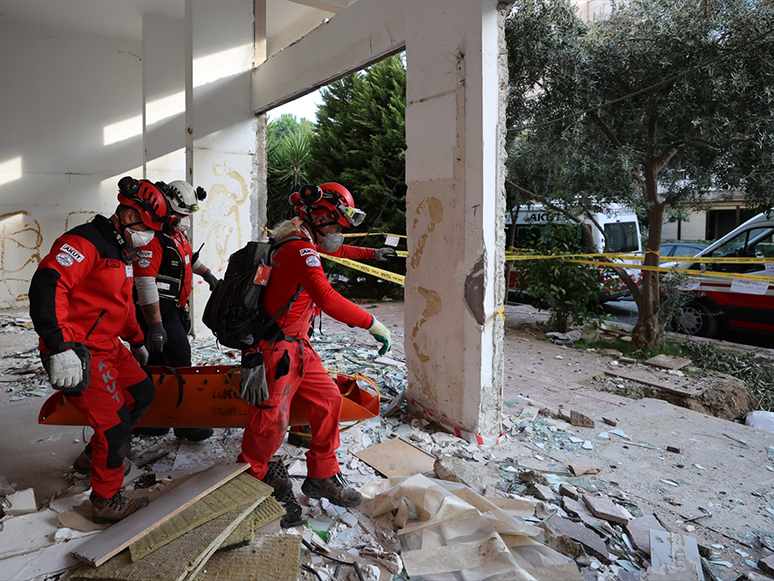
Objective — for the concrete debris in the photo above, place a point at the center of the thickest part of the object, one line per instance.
(21, 502)
(568, 490)
(580, 420)
(5, 488)
(603, 507)
(533, 476)
(476, 476)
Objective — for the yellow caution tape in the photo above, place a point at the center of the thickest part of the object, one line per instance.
(364, 234)
(693, 272)
(378, 272)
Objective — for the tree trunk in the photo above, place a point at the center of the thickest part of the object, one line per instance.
(647, 332)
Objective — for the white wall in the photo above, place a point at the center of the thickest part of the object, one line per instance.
(59, 93)
(72, 113)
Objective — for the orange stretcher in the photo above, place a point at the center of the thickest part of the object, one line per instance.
(207, 397)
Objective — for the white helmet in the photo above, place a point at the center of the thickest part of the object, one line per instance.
(183, 198)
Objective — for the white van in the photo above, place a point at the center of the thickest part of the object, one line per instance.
(724, 303)
(620, 224)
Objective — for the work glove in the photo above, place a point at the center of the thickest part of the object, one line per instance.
(385, 254)
(210, 279)
(381, 334)
(157, 336)
(64, 369)
(253, 388)
(140, 354)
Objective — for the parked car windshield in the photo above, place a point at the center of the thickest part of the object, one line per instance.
(753, 243)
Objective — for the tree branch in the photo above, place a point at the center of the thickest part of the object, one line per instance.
(545, 202)
(652, 125)
(669, 154)
(605, 129)
(724, 145)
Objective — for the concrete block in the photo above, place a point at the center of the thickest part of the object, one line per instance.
(22, 502)
(533, 476)
(580, 420)
(604, 508)
(476, 476)
(767, 565)
(639, 531)
(569, 490)
(591, 542)
(556, 540)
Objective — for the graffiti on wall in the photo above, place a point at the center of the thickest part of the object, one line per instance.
(20, 243)
(223, 227)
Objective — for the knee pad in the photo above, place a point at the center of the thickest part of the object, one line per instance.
(143, 394)
(119, 439)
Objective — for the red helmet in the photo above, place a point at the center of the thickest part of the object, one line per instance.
(146, 198)
(331, 200)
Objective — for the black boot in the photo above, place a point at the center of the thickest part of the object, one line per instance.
(278, 478)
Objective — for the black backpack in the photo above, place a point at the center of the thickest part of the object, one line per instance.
(234, 312)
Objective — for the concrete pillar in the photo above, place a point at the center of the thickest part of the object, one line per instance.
(455, 111)
(222, 131)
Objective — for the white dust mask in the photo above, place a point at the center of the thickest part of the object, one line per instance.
(331, 242)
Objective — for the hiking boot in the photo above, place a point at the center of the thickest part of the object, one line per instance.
(82, 464)
(333, 488)
(298, 436)
(194, 434)
(115, 508)
(278, 478)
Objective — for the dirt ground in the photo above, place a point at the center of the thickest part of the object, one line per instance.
(726, 468)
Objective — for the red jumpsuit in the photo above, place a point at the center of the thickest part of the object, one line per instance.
(167, 260)
(82, 293)
(293, 368)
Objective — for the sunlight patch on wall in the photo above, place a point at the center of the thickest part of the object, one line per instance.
(206, 69)
(219, 65)
(122, 130)
(10, 170)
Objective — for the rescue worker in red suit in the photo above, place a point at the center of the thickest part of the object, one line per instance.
(292, 367)
(163, 280)
(81, 304)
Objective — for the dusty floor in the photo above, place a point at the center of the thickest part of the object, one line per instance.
(724, 467)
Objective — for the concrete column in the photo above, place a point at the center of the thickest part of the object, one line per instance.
(222, 133)
(455, 211)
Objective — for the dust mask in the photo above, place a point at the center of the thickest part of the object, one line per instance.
(184, 224)
(331, 242)
(139, 239)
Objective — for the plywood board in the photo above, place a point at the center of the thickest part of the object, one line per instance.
(677, 385)
(397, 457)
(181, 559)
(242, 490)
(274, 557)
(135, 526)
(668, 362)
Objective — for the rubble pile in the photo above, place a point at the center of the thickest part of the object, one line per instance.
(549, 501)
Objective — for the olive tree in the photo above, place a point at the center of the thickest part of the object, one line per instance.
(654, 105)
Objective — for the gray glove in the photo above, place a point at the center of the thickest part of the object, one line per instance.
(210, 279)
(253, 388)
(140, 354)
(157, 336)
(384, 254)
(64, 369)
